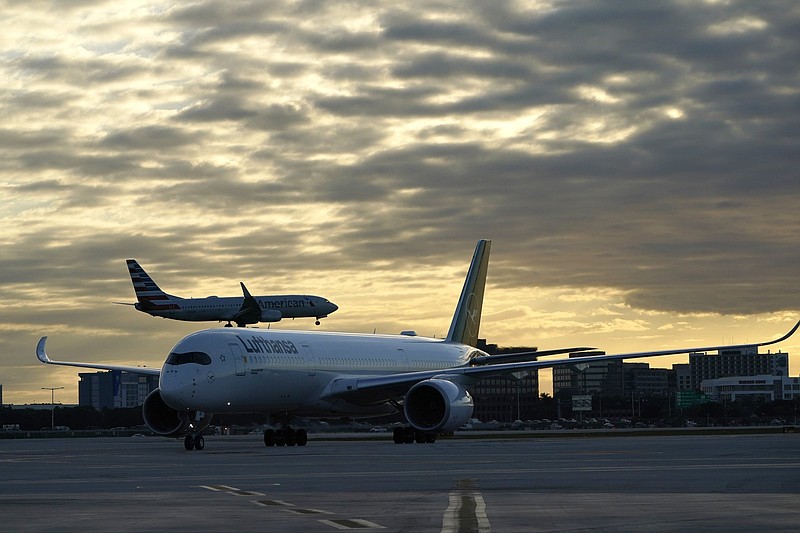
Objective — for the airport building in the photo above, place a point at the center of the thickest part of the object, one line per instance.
(764, 388)
(114, 389)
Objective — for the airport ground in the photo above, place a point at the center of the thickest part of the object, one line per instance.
(654, 483)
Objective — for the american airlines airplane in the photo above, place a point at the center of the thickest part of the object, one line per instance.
(323, 374)
(242, 310)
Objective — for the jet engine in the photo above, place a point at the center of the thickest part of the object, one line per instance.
(166, 421)
(437, 405)
(270, 315)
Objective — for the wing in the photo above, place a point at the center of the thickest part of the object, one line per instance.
(250, 312)
(517, 357)
(375, 389)
(42, 356)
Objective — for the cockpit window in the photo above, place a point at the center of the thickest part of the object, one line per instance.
(201, 358)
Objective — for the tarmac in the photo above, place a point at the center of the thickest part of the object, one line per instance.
(659, 483)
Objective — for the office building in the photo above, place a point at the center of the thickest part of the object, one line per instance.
(589, 378)
(741, 362)
(641, 380)
(109, 390)
(506, 398)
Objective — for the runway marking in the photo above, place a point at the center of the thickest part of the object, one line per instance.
(355, 523)
(467, 510)
(272, 503)
(302, 511)
(338, 523)
(231, 490)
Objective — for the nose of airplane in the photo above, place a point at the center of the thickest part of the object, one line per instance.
(177, 387)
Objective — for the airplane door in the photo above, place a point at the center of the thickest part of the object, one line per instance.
(308, 355)
(236, 352)
(403, 358)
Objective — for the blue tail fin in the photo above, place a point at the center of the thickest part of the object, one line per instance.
(467, 318)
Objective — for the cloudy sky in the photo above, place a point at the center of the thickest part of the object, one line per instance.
(634, 163)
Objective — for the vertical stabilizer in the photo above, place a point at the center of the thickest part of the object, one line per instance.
(467, 318)
(148, 294)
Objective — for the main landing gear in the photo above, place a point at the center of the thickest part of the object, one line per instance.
(194, 442)
(285, 437)
(408, 435)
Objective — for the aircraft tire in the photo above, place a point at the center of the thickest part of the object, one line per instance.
(430, 438)
(420, 437)
(301, 437)
(408, 435)
(291, 437)
(397, 435)
(199, 442)
(269, 437)
(188, 443)
(280, 438)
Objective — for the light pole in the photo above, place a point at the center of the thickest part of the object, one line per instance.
(52, 404)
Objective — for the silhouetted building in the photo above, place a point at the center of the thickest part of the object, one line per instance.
(683, 376)
(742, 362)
(641, 380)
(114, 389)
(506, 398)
(604, 377)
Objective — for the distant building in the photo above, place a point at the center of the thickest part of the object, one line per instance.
(683, 376)
(604, 377)
(641, 380)
(114, 389)
(765, 388)
(742, 362)
(506, 398)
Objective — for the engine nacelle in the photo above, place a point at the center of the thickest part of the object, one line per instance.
(437, 405)
(166, 421)
(270, 315)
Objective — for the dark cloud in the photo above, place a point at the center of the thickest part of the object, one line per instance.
(147, 138)
(76, 72)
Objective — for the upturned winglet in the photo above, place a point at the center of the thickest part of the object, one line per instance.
(776, 341)
(40, 353)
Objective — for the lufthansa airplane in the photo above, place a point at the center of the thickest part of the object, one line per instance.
(242, 310)
(323, 374)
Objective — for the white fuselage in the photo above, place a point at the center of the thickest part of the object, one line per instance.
(225, 308)
(257, 370)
